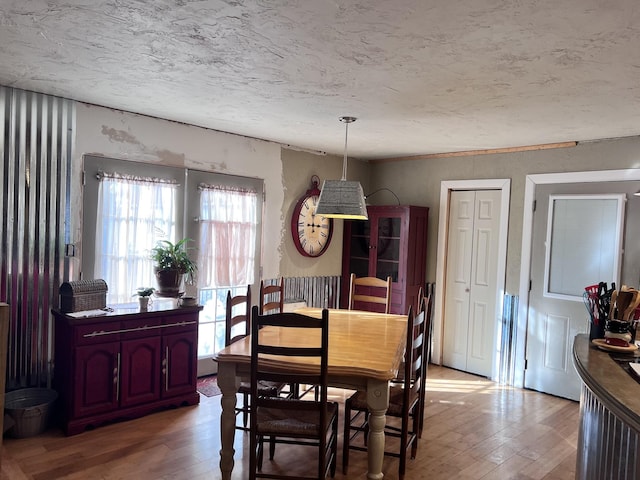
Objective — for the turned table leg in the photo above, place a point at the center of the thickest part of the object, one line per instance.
(377, 401)
(228, 383)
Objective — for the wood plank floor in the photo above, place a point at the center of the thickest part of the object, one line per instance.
(474, 429)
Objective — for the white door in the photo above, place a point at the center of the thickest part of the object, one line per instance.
(567, 255)
(471, 276)
(211, 327)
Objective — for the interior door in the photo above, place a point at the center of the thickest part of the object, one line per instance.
(471, 276)
(572, 247)
(211, 326)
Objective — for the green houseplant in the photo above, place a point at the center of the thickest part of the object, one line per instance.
(144, 296)
(172, 264)
(144, 292)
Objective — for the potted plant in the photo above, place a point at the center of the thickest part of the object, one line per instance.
(144, 295)
(172, 264)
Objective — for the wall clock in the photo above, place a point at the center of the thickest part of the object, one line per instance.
(311, 233)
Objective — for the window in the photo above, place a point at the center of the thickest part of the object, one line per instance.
(133, 214)
(584, 243)
(129, 206)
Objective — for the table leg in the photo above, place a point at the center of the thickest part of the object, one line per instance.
(228, 384)
(377, 401)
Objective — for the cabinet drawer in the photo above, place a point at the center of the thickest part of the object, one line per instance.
(140, 328)
(97, 333)
(180, 323)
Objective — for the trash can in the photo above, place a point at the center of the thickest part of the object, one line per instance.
(30, 409)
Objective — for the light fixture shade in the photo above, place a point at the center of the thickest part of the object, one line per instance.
(342, 199)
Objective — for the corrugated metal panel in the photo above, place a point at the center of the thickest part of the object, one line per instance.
(508, 340)
(36, 141)
(607, 446)
(319, 292)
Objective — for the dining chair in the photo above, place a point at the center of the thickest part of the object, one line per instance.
(271, 298)
(291, 421)
(235, 321)
(426, 306)
(406, 402)
(370, 294)
(272, 301)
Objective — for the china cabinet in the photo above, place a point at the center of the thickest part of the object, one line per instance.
(392, 242)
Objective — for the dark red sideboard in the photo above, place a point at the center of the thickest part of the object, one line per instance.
(124, 364)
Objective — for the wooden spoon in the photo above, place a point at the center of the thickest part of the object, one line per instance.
(622, 302)
(635, 301)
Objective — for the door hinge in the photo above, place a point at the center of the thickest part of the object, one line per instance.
(530, 285)
(535, 203)
(526, 363)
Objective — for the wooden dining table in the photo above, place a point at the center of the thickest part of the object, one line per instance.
(365, 352)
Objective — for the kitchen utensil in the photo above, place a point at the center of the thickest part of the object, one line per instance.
(633, 304)
(623, 301)
(612, 303)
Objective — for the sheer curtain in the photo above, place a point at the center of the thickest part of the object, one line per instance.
(133, 214)
(228, 229)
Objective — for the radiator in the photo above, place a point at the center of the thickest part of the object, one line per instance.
(508, 339)
(320, 292)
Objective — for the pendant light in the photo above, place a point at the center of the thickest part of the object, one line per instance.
(342, 198)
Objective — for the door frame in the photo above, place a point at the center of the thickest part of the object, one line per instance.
(531, 182)
(446, 186)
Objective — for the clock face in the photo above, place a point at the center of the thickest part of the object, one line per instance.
(311, 233)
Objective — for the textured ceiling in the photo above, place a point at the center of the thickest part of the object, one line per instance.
(423, 76)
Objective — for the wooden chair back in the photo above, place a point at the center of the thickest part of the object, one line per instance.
(370, 294)
(271, 298)
(414, 355)
(232, 320)
(317, 353)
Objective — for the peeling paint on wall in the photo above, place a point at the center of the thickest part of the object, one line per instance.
(171, 158)
(119, 136)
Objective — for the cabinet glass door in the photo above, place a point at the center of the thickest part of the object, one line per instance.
(387, 249)
(360, 248)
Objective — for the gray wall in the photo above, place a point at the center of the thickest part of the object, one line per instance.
(297, 169)
(418, 182)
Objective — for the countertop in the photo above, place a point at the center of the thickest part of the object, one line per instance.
(608, 380)
(158, 307)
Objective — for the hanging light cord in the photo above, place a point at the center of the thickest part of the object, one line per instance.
(344, 160)
(381, 189)
(346, 121)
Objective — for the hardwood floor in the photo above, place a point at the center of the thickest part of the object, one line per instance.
(474, 429)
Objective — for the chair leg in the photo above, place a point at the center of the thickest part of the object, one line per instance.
(416, 431)
(346, 436)
(366, 429)
(260, 452)
(334, 446)
(245, 409)
(272, 447)
(404, 436)
(420, 414)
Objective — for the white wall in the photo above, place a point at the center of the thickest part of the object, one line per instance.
(116, 134)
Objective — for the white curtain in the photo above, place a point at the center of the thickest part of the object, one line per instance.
(134, 213)
(228, 228)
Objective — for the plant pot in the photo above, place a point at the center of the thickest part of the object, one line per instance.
(169, 282)
(144, 303)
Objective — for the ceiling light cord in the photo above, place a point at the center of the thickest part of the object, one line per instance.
(381, 189)
(346, 121)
